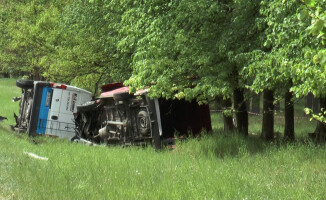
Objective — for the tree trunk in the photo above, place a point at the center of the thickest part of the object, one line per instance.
(309, 100)
(240, 111)
(248, 105)
(227, 119)
(277, 106)
(218, 103)
(320, 132)
(315, 105)
(248, 102)
(268, 115)
(255, 104)
(289, 116)
(96, 86)
(36, 73)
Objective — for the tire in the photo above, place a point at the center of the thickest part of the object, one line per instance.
(25, 84)
(143, 122)
(90, 106)
(122, 96)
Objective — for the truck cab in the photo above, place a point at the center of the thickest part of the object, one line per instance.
(48, 108)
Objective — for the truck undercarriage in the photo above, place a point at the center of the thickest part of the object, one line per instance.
(118, 117)
(26, 101)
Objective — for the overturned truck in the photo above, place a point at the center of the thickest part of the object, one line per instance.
(48, 108)
(118, 117)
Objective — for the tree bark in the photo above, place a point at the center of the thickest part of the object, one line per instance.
(96, 86)
(227, 119)
(320, 131)
(309, 100)
(241, 111)
(255, 103)
(277, 106)
(268, 115)
(248, 102)
(315, 105)
(218, 103)
(36, 73)
(289, 116)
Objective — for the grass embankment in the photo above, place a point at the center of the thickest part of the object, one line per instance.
(214, 167)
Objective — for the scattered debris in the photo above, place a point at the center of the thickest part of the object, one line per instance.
(16, 99)
(3, 118)
(83, 141)
(32, 155)
(16, 117)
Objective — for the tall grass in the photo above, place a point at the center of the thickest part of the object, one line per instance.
(302, 124)
(212, 167)
(216, 166)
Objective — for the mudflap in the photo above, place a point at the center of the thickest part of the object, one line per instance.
(16, 119)
(12, 127)
(156, 122)
(16, 127)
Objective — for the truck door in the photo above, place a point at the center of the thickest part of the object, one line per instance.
(53, 116)
(61, 116)
(67, 125)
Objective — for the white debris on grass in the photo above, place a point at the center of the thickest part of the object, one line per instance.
(83, 141)
(32, 155)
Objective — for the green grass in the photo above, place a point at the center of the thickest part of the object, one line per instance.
(220, 166)
(8, 90)
(302, 124)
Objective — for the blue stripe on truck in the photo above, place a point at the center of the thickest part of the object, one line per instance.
(44, 110)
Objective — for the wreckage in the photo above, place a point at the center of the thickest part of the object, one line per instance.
(48, 108)
(116, 117)
(120, 117)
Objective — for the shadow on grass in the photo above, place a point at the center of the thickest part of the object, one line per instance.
(216, 144)
(24, 136)
(223, 145)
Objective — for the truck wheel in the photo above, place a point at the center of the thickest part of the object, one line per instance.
(25, 84)
(122, 96)
(143, 122)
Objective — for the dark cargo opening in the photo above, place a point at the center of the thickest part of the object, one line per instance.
(184, 118)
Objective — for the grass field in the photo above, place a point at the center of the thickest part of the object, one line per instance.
(220, 166)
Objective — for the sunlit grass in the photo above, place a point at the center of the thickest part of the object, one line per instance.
(8, 90)
(219, 167)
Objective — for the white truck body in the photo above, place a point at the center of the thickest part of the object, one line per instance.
(54, 106)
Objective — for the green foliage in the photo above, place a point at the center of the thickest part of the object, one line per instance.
(178, 49)
(190, 49)
(294, 47)
(272, 66)
(312, 71)
(86, 54)
(320, 117)
(318, 29)
(29, 29)
(66, 41)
